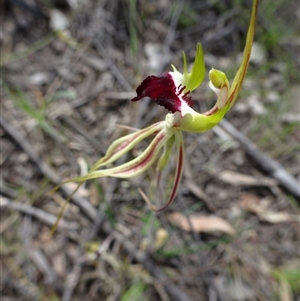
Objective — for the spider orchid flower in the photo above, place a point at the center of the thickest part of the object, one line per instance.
(172, 91)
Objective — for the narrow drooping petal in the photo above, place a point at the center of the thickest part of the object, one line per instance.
(134, 167)
(178, 173)
(163, 90)
(124, 144)
(164, 159)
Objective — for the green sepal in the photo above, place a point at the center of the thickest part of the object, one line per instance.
(194, 79)
(241, 73)
(168, 148)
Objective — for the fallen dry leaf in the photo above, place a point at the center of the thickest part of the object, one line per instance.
(255, 205)
(200, 223)
(238, 179)
(277, 217)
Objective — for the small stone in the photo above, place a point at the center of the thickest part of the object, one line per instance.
(272, 97)
(58, 20)
(39, 79)
(290, 118)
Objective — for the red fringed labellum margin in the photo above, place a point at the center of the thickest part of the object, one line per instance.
(163, 90)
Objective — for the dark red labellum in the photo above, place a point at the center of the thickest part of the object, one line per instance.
(163, 91)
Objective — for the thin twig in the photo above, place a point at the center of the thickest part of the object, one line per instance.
(71, 282)
(43, 265)
(46, 170)
(45, 217)
(269, 165)
(80, 129)
(113, 68)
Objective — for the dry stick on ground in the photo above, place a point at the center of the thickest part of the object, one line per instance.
(76, 126)
(90, 211)
(71, 282)
(45, 169)
(45, 217)
(274, 168)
